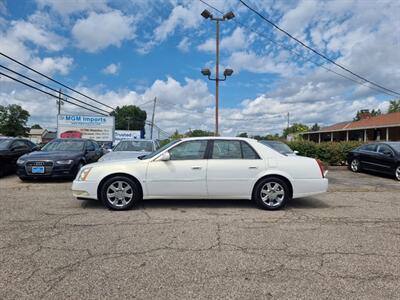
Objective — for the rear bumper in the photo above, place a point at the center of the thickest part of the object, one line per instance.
(84, 189)
(309, 187)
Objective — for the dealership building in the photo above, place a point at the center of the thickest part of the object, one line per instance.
(378, 128)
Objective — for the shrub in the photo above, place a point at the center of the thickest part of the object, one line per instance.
(332, 153)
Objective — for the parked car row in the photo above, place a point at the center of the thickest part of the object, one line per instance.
(61, 158)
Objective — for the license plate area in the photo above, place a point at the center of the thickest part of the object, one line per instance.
(37, 170)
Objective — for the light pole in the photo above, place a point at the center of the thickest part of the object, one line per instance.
(206, 72)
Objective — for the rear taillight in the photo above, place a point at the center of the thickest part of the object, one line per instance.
(321, 167)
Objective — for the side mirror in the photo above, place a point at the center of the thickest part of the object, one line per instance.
(36, 148)
(296, 152)
(165, 156)
(388, 153)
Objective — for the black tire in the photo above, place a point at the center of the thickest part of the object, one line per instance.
(118, 202)
(355, 165)
(269, 203)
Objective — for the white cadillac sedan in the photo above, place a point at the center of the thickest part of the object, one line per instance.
(203, 168)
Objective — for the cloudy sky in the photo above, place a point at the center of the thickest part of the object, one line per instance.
(128, 52)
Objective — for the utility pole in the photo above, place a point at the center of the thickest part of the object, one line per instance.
(288, 120)
(152, 118)
(129, 120)
(206, 72)
(59, 101)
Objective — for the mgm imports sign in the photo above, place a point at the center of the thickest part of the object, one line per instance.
(98, 128)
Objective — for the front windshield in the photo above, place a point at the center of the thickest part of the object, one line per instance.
(146, 146)
(277, 146)
(64, 145)
(159, 150)
(4, 144)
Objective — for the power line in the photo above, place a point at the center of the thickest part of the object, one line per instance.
(308, 59)
(315, 51)
(56, 81)
(47, 93)
(54, 90)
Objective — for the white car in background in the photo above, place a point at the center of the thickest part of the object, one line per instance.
(203, 168)
(128, 149)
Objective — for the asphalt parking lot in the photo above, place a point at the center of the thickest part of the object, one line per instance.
(343, 244)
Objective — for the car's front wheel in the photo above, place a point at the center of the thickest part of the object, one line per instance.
(355, 165)
(397, 173)
(271, 193)
(120, 193)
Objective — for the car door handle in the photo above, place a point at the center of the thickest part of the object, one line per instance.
(253, 168)
(196, 168)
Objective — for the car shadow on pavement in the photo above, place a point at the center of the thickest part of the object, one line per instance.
(306, 203)
(303, 203)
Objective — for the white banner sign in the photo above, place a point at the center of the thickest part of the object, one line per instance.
(121, 135)
(98, 128)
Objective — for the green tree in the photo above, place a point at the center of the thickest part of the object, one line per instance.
(315, 127)
(371, 113)
(198, 133)
(394, 106)
(295, 128)
(36, 126)
(243, 134)
(13, 120)
(129, 117)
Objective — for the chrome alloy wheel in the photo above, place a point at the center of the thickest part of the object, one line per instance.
(355, 165)
(272, 194)
(398, 173)
(119, 194)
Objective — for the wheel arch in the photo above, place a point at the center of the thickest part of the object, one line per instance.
(276, 175)
(119, 174)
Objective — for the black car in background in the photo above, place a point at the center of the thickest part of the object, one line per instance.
(10, 150)
(379, 157)
(59, 158)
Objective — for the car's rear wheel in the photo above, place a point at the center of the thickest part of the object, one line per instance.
(271, 193)
(397, 173)
(355, 165)
(120, 193)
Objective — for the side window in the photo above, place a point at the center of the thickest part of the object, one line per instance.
(383, 149)
(226, 150)
(96, 146)
(189, 150)
(370, 147)
(248, 152)
(89, 146)
(19, 145)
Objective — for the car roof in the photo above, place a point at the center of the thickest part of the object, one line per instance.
(133, 140)
(78, 140)
(217, 138)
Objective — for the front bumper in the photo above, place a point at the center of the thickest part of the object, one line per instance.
(56, 171)
(84, 189)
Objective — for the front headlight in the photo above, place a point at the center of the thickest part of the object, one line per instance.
(20, 161)
(83, 174)
(64, 162)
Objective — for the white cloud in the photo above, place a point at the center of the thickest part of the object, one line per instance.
(239, 39)
(184, 44)
(112, 69)
(66, 7)
(100, 30)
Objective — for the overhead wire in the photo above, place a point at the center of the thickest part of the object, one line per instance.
(52, 89)
(53, 80)
(315, 51)
(308, 59)
(47, 93)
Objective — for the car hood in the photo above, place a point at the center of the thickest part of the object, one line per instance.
(122, 155)
(52, 155)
